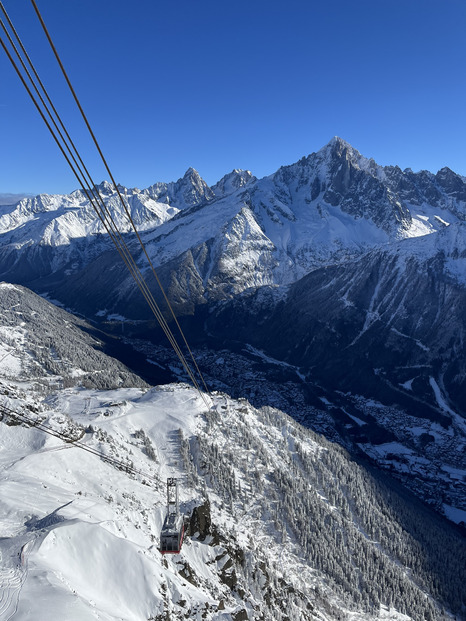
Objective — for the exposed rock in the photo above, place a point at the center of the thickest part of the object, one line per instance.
(201, 521)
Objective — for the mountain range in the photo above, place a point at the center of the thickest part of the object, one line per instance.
(342, 280)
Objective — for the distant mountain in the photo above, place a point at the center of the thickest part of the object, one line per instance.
(242, 232)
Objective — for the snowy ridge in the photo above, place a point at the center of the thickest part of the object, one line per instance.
(330, 206)
(189, 191)
(231, 182)
(56, 220)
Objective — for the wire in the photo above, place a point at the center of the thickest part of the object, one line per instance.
(41, 426)
(112, 229)
(71, 154)
(121, 247)
(125, 207)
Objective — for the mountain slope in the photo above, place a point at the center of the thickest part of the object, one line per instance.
(381, 342)
(298, 531)
(328, 207)
(47, 347)
(284, 525)
(397, 308)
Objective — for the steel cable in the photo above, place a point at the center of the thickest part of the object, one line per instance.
(41, 426)
(125, 207)
(111, 230)
(92, 193)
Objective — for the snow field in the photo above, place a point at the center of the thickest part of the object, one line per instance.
(281, 499)
(94, 529)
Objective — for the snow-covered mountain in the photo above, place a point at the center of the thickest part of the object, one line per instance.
(243, 232)
(327, 208)
(284, 525)
(350, 273)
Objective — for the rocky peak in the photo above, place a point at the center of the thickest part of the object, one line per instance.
(338, 145)
(191, 173)
(344, 178)
(105, 188)
(338, 149)
(231, 182)
(192, 189)
(453, 184)
(189, 191)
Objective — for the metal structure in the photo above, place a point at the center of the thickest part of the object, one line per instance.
(172, 533)
(173, 505)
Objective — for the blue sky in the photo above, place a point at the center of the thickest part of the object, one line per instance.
(219, 85)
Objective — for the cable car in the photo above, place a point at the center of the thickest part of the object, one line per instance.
(172, 533)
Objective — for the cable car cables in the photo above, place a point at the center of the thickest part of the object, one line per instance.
(38, 94)
(41, 426)
(125, 207)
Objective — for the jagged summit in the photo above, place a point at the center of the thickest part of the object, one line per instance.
(330, 205)
(337, 146)
(339, 143)
(188, 191)
(233, 181)
(190, 173)
(337, 149)
(105, 187)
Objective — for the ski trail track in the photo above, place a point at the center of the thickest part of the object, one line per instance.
(14, 555)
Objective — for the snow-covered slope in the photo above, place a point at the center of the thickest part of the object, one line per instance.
(297, 531)
(231, 182)
(59, 220)
(47, 347)
(57, 235)
(283, 524)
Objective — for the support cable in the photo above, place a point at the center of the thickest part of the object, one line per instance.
(125, 207)
(122, 249)
(92, 192)
(41, 426)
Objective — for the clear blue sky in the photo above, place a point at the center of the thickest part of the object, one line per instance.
(248, 84)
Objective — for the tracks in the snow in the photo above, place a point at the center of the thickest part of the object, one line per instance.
(13, 573)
